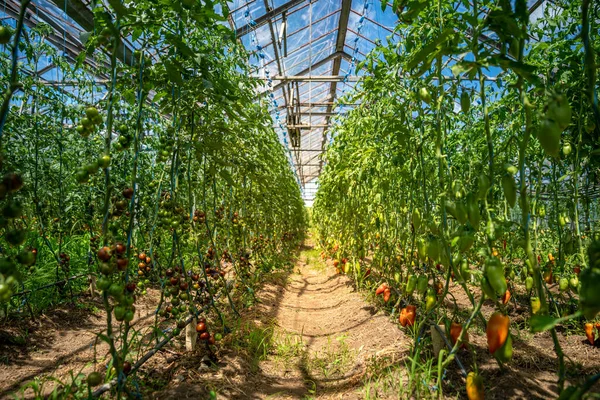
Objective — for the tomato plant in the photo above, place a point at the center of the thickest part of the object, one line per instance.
(471, 161)
(161, 170)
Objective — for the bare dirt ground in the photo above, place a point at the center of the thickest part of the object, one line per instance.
(532, 373)
(60, 342)
(310, 335)
(323, 340)
(319, 338)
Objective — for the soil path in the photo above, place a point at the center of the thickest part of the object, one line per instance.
(339, 335)
(319, 336)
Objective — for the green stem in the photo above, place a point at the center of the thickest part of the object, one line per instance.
(13, 84)
(107, 139)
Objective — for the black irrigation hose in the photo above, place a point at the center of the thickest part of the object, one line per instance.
(443, 335)
(50, 285)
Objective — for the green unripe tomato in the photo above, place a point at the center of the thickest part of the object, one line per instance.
(120, 312)
(94, 379)
(5, 34)
(563, 284)
(425, 95)
(104, 161)
(91, 112)
(549, 137)
(129, 316)
(103, 283)
(529, 283)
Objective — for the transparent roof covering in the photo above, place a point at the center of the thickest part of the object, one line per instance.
(305, 50)
(309, 50)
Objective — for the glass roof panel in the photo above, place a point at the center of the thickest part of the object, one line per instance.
(247, 10)
(310, 55)
(315, 93)
(310, 88)
(353, 41)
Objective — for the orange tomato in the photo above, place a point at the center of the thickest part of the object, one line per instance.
(475, 389)
(408, 315)
(387, 293)
(439, 287)
(381, 289)
(548, 276)
(497, 331)
(589, 332)
(506, 297)
(455, 330)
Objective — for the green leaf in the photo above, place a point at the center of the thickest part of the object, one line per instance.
(524, 70)
(159, 96)
(462, 67)
(129, 96)
(173, 73)
(562, 178)
(429, 51)
(225, 8)
(207, 84)
(183, 48)
(104, 338)
(119, 8)
(84, 37)
(135, 35)
(542, 323)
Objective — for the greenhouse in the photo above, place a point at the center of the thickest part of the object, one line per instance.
(299, 199)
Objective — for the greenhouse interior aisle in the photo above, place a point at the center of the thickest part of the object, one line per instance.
(309, 199)
(312, 334)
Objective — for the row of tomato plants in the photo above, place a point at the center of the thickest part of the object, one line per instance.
(443, 172)
(161, 170)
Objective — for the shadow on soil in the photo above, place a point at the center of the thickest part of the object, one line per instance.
(21, 340)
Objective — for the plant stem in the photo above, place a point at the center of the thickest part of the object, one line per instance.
(13, 84)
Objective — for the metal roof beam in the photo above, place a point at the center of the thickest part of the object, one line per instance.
(337, 64)
(315, 78)
(317, 65)
(81, 14)
(308, 126)
(279, 67)
(319, 104)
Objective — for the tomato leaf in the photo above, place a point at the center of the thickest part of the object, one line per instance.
(429, 51)
(158, 96)
(119, 8)
(227, 176)
(104, 338)
(173, 72)
(463, 66)
(562, 178)
(84, 37)
(542, 323)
